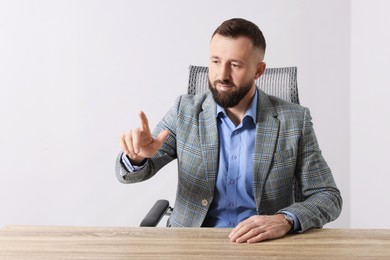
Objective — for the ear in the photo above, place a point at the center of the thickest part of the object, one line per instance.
(260, 69)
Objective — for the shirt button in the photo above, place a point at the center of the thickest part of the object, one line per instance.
(231, 181)
(205, 202)
(232, 224)
(231, 204)
(234, 157)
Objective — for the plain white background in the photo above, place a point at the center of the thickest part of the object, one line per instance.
(370, 109)
(74, 74)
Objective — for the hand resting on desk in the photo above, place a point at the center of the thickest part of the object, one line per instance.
(260, 228)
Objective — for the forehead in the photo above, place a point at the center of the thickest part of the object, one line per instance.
(231, 48)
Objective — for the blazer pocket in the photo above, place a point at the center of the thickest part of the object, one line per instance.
(283, 168)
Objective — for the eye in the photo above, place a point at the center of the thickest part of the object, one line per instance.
(235, 65)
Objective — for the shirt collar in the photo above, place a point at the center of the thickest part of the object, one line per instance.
(251, 112)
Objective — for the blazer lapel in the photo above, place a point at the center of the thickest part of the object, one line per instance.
(209, 140)
(267, 129)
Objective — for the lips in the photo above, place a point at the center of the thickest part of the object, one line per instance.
(223, 86)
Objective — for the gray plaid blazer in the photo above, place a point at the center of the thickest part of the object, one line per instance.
(285, 146)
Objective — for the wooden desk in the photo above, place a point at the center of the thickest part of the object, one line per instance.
(34, 242)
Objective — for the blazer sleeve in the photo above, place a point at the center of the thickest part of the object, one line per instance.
(322, 200)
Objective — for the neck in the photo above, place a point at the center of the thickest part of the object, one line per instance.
(237, 113)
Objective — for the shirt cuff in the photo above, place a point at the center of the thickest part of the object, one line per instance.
(297, 224)
(129, 166)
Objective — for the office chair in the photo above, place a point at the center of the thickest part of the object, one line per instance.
(279, 82)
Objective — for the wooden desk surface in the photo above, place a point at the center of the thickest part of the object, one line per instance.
(39, 242)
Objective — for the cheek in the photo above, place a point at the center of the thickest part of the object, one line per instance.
(212, 76)
(211, 79)
(250, 76)
(239, 78)
(211, 73)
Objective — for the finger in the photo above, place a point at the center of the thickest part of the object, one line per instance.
(243, 227)
(162, 136)
(144, 122)
(129, 144)
(136, 135)
(249, 234)
(122, 143)
(234, 231)
(238, 227)
(241, 232)
(260, 237)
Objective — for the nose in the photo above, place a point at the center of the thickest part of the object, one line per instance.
(224, 72)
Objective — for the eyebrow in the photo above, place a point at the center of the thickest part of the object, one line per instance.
(231, 60)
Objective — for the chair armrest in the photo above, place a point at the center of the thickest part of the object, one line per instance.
(155, 214)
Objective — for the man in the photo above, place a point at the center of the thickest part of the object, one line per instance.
(237, 150)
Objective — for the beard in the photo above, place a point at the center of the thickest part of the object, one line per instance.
(232, 99)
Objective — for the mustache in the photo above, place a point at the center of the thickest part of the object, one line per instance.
(224, 82)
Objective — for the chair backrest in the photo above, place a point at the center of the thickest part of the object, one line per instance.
(279, 82)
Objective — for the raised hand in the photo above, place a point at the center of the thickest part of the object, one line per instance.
(139, 143)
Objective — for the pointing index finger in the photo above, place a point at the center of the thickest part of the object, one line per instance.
(144, 122)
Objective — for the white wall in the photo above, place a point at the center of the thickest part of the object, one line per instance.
(74, 74)
(370, 127)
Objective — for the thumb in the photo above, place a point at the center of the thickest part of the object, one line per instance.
(162, 136)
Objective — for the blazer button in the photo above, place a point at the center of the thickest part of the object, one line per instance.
(205, 202)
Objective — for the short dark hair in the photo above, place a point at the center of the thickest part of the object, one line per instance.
(237, 27)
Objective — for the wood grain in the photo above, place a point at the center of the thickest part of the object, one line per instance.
(40, 242)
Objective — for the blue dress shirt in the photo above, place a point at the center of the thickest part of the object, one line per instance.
(233, 199)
